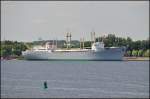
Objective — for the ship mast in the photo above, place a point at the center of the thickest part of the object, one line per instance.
(68, 40)
(80, 43)
(56, 43)
(92, 38)
(53, 44)
(103, 38)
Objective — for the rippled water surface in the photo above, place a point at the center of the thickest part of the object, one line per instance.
(99, 79)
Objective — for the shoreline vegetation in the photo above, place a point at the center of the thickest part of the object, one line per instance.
(136, 58)
(135, 50)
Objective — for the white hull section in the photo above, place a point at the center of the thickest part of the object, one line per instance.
(104, 54)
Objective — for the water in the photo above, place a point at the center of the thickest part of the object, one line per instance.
(90, 79)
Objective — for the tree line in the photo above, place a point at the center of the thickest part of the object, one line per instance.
(139, 48)
(12, 48)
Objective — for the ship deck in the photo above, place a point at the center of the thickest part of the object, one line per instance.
(71, 50)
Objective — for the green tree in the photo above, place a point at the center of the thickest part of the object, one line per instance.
(17, 52)
(134, 53)
(87, 44)
(140, 53)
(18, 48)
(6, 50)
(146, 53)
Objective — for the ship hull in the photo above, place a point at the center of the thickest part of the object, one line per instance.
(105, 54)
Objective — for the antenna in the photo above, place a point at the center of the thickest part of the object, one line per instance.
(83, 43)
(53, 44)
(91, 38)
(94, 36)
(56, 42)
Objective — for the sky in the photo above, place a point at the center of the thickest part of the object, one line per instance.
(31, 20)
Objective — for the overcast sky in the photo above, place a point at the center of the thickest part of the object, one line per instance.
(29, 20)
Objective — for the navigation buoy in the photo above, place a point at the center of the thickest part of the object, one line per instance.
(45, 85)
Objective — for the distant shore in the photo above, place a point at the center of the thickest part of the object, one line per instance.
(136, 58)
(124, 58)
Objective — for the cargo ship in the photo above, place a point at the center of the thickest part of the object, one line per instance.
(96, 52)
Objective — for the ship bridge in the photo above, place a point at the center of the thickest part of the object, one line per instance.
(98, 46)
